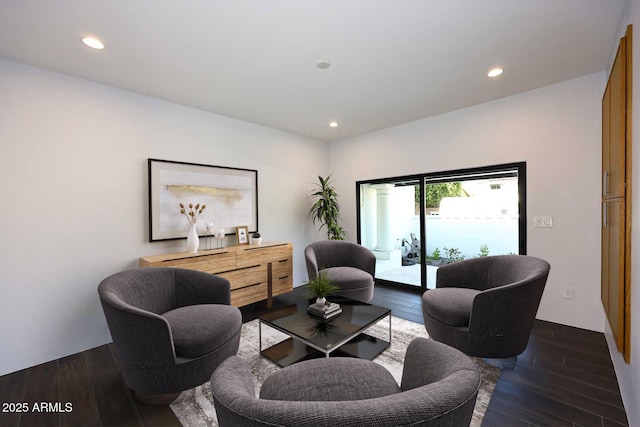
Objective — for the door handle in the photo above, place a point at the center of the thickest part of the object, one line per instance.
(605, 182)
(605, 219)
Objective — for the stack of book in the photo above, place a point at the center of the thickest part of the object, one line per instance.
(324, 311)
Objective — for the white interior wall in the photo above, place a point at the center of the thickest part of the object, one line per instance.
(557, 131)
(74, 210)
(629, 374)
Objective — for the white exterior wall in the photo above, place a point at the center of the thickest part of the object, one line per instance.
(467, 234)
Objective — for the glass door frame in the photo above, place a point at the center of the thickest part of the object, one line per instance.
(446, 176)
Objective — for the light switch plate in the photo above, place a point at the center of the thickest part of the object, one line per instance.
(543, 221)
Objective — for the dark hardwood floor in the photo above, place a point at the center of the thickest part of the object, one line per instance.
(564, 378)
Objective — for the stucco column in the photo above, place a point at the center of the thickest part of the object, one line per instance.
(385, 241)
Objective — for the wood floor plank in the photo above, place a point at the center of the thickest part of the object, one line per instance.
(13, 378)
(113, 399)
(41, 388)
(12, 393)
(496, 418)
(552, 380)
(411, 302)
(545, 349)
(114, 402)
(74, 388)
(560, 391)
(540, 406)
(608, 383)
(608, 423)
(519, 412)
(587, 352)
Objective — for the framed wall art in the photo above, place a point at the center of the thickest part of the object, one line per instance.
(229, 194)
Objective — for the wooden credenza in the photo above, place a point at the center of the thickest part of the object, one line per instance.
(256, 272)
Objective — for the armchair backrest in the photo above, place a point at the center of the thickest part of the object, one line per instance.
(149, 289)
(338, 253)
(132, 302)
(491, 272)
(511, 269)
(429, 362)
(159, 289)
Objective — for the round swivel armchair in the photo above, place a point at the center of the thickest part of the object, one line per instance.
(350, 266)
(171, 328)
(439, 388)
(486, 307)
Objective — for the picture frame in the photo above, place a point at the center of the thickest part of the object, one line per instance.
(230, 195)
(242, 235)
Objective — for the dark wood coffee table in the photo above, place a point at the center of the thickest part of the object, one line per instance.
(310, 337)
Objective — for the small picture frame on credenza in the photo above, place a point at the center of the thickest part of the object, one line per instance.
(242, 234)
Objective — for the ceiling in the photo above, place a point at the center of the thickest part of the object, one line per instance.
(392, 62)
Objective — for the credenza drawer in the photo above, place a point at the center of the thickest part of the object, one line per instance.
(258, 255)
(246, 276)
(248, 295)
(282, 276)
(281, 284)
(212, 263)
(282, 267)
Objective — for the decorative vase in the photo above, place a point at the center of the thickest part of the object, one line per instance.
(321, 301)
(192, 239)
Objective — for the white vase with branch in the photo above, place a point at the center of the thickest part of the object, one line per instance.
(192, 213)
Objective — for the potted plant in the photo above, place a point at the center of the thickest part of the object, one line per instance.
(321, 287)
(326, 209)
(255, 238)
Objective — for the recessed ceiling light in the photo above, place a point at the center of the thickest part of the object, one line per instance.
(93, 42)
(495, 72)
(333, 124)
(323, 63)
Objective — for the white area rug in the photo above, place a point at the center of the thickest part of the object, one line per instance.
(194, 408)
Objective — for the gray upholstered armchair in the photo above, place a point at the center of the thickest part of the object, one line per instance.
(439, 388)
(350, 266)
(486, 306)
(171, 328)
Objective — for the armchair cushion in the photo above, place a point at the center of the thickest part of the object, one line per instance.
(347, 379)
(451, 306)
(348, 277)
(200, 329)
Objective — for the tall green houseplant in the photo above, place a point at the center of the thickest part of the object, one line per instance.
(326, 209)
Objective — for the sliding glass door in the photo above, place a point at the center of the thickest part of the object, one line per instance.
(390, 226)
(417, 223)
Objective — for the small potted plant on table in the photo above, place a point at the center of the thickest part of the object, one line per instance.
(320, 288)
